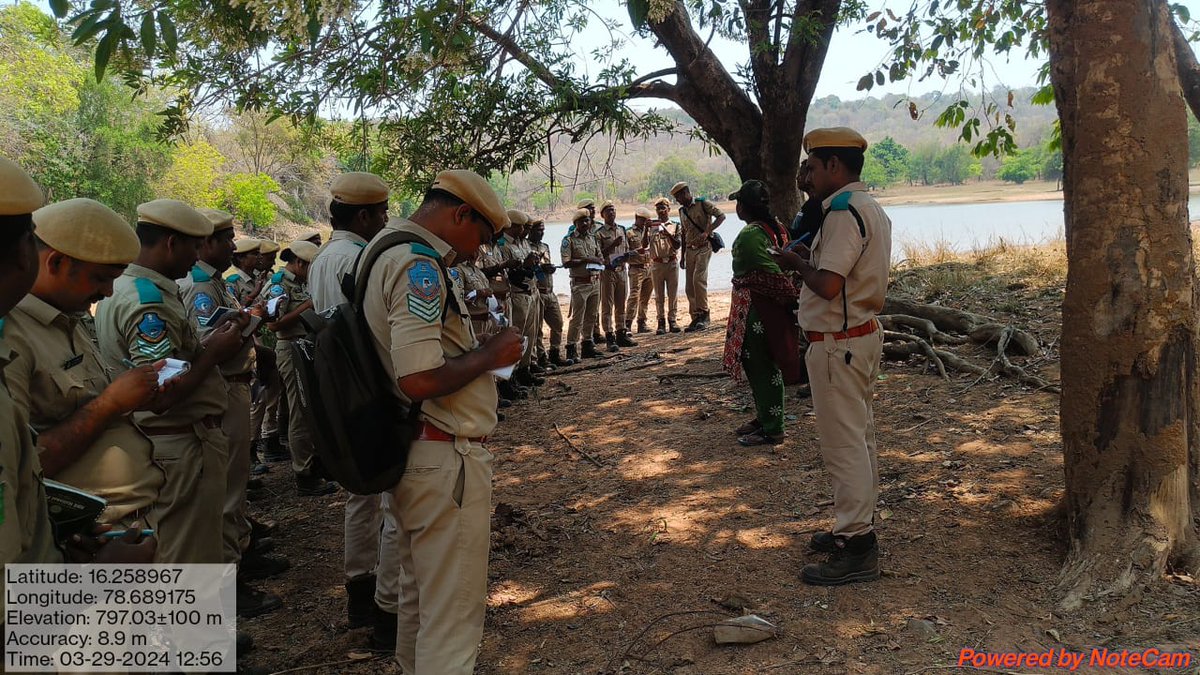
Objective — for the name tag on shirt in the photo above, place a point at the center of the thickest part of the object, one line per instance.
(72, 362)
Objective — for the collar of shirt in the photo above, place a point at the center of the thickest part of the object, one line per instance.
(443, 249)
(347, 235)
(208, 269)
(136, 270)
(856, 186)
(42, 311)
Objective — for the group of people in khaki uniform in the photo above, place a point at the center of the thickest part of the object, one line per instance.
(467, 295)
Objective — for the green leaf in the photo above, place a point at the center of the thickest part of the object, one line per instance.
(865, 83)
(60, 7)
(639, 10)
(104, 50)
(314, 29)
(149, 36)
(169, 36)
(87, 28)
(1184, 14)
(879, 77)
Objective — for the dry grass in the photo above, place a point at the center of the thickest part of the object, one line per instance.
(935, 272)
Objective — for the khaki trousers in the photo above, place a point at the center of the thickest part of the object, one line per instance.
(695, 279)
(841, 395)
(665, 277)
(552, 317)
(370, 541)
(189, 507)
(264, 412)
(585, 310)
(299, 439)
(442, 509)
(640, 286)
(235, 528)
(524, 314)
(614, 288)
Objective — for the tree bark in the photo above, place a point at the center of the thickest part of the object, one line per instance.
(1129, 327)
(1189, 69)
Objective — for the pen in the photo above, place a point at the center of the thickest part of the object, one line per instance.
(128, 363)
(115, 534)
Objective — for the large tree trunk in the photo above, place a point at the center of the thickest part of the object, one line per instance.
(1129, 326)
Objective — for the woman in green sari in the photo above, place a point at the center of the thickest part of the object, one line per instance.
(761, 340)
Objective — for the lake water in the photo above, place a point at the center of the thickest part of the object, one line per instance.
(963, 227)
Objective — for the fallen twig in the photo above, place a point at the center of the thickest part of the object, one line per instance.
(578, 449)
(649, 364)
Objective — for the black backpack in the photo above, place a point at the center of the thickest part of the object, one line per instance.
(362, 430)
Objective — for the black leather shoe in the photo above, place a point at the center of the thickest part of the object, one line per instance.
(252, 602)
(854, 559)
(272, 450)
(611, 343)
(383, 633)
(675, 328)
(314, 486)
(624, 340)
(823, 542)
(255, 566)
(662, 328)
(360, 601)
(589, 350)
(261, 528)
(642, 326)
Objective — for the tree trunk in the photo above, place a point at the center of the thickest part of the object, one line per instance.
(1129, 327)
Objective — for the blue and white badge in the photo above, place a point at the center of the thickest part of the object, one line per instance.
(275, 291)
(204, 305)
(152, 340)
(424, 290)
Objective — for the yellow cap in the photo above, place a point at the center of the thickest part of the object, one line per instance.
(517, 217)
(267, 246)
(644, 212)
(834, 137)
(476, 193)
(308, 234)
(220, 219)
(18, 193)
(246, 245)
(175, 215)
(584, 203)
(581, 214)
(304, 250)
(677, 187)
(358, 188)
(662, 200)
(87, 230)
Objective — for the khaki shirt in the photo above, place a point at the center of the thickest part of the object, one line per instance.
(241, 285)
(203, 292)
(335, 260)
(25, 533)
(662, 244)
(492, 255)
(863, 261)
(637, 238)
(473, 280)
(283, 283)
(57, 370)
(695, 220)
(605, 236)
(145, 320)
(519, 250)
(404, 311)
(577, 246)
(545, 282)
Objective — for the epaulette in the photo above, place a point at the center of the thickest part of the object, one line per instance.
(841, 202)
(1, 326)
(200, 276)
(233, 278)
(277, 277)
(422, 249)
(148, 292)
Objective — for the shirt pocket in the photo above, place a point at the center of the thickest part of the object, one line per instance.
(70, 394)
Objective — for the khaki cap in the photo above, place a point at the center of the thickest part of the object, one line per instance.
(18, 193)
(267, 246)
(537, 221)
(517, 217)
(608, 204)
(358, 188)
(308, 234)
(175, 215)
(644, 212)
(581, 214)
(246, 245)
(834, 137)
(220, 220)
(476, 193)
(662, 200)
(677, 187)
(87, 230)
(304, 250)
(584, 203)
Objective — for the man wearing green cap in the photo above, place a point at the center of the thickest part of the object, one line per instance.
(845, 281)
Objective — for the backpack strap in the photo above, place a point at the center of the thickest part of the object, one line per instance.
(842, 203)
(354, 285)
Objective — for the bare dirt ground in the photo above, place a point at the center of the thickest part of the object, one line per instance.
(619, 565)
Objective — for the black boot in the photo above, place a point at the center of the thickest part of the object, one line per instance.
(252, 602)
(255, 566)
(572, 354)
(662, 327)
(624, 339)
(272, 450)
(536, 369)
(383, 633)
(544, 362)
(314, 486)
(557, 359)
(853, 559)
(527, 379)
(674, 327)
(589, 350)
(643, 327)
(360, 601)
(611, 343)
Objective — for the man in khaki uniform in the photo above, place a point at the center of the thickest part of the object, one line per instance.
(358, 210)
(264, 413)
(698, 219)
(637, 241)
(241, 280)
(614, 283)
(144, 321)
(524, 300)
(581, 257)
(442, 504)
(845, 281)
(81, 414)
(551, 312)
(664, 273)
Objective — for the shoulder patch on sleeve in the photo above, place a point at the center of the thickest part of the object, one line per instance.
(148, 292)
(425, 290)
(276, 290)
(152, 339)
(204, 305)
(841, 202)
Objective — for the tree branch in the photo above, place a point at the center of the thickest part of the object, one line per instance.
(1186, 65)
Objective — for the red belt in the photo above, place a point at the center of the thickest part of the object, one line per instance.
(858, 331)
(432, 433)
(240, 378)
(211, 422)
